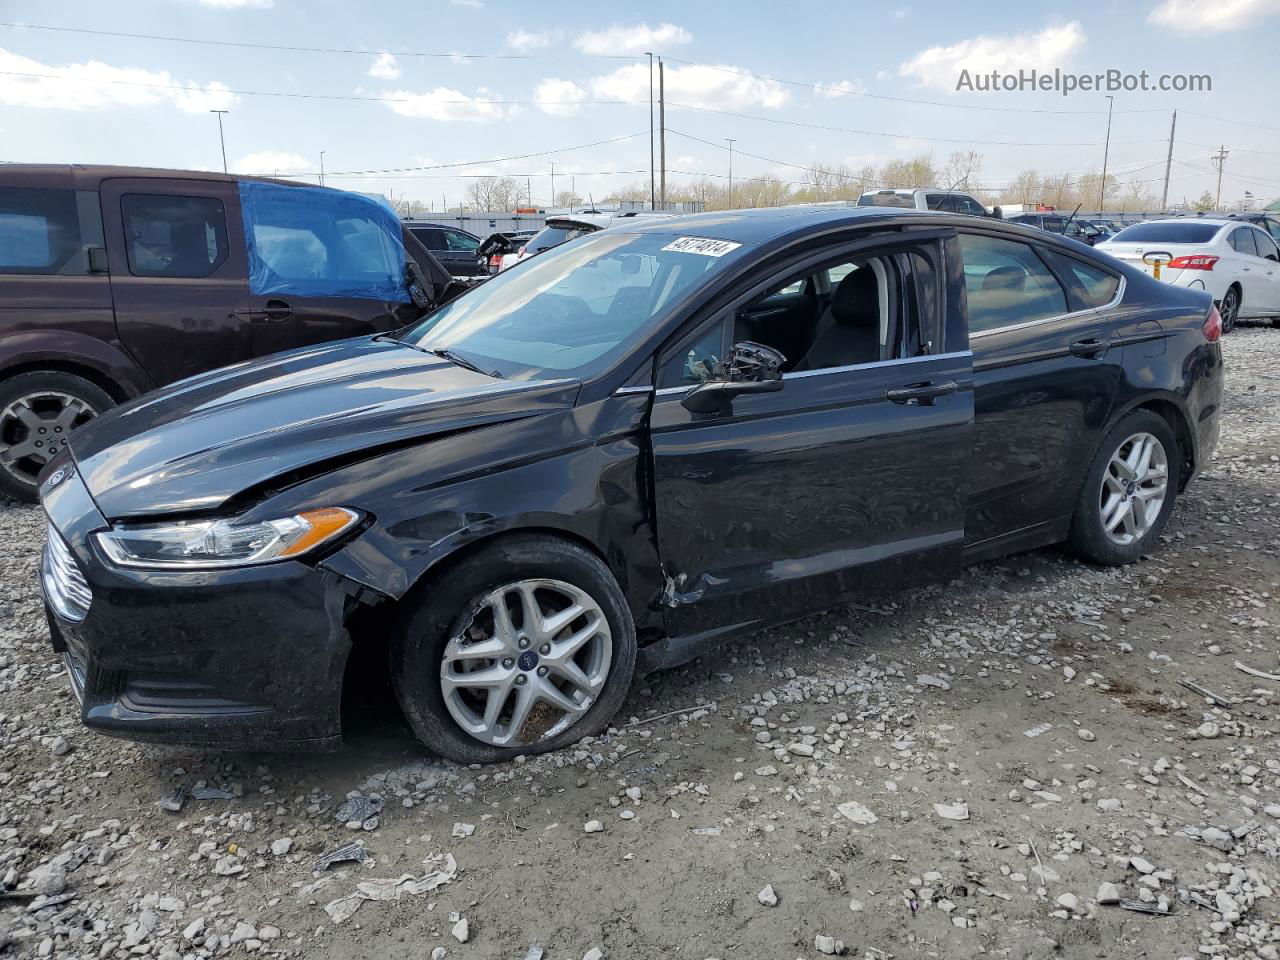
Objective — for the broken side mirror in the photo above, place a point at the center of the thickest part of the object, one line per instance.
(749, 368)
(97, 259)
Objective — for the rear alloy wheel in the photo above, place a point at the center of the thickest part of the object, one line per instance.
(1129, 491)
(38, 411)
(1229, 310)
(524, 646)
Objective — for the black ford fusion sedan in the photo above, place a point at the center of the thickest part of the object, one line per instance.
(603, 460)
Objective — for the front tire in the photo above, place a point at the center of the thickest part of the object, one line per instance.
(1128, 492)
(525, 646)
(38, 411)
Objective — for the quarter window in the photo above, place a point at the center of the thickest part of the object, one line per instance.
(1242, 241)
(1007, 284)
(44, 231)
(1090, 286)
(174, 236)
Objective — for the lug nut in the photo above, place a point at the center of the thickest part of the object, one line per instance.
(542, 671)
(508, 663)
(521, 679)
(524, 643)
(545, 649)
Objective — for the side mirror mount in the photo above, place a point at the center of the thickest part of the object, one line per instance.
(748, 368)
(997, 213)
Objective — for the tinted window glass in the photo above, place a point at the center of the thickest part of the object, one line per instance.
(174, 236)
(430, 237)
(695, 361)
(1242, 241)
(1165, 232)
(1266, 246)
(550, 237)
(1090, 286)
(460, 241)
(1007, 284)
(887, 198)
(40, 232)
(971, 207)
(1273, 228)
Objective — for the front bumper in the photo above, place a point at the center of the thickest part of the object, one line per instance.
(249, 658)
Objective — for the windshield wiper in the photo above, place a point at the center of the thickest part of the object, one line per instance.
(455, 357)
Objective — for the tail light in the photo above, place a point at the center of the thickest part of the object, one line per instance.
(1196, 262)
(1212, 328)
(495, 263)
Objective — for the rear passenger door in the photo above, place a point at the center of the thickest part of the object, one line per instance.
(1046, 373)
(176, 255)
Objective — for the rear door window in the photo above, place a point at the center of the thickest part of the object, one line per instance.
(1242, 241)
(1266, 246)
(430, 237)
(45, 231)
(179, 237)
(1007, 284)
(460, 242)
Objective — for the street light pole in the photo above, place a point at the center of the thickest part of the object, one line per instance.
(653, 187)
(1102, 190)
(221, 139)
(731, 142)
(322, 168)
(553, 184)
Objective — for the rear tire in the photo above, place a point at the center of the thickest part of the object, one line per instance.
(451, 654)
(1128, 492)
(38, 411)
(1229, 309)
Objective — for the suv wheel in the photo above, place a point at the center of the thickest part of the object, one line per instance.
(525, 646)
(38, 411)
(1128, 492)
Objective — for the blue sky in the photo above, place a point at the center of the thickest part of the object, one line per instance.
(67, 96)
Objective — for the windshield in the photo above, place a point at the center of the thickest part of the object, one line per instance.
(572, 310)
(1167, 233)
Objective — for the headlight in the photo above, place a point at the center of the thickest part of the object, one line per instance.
(205, 544)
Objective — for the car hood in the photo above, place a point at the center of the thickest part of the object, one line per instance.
(195, 445)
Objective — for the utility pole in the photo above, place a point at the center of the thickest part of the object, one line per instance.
(221, 139)
(653, 190)
(1102, 190)
(1168, 163)
(662, 134)
(553, 184)
(731, 143)
(1219, 160)
(322, 168)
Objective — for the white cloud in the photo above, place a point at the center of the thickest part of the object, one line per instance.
(559, 98)
(444, 104)
(1212, 16)
(718, 87)
(940, 67)
(473, 4)
(520, 39)
(633, 40)
(271, 162)
(237, 4)
(87, 86)
(385, 67)
(839, 89)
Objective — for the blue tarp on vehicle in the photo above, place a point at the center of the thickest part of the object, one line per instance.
(319, 242)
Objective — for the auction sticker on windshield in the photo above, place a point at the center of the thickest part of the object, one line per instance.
(703, 245)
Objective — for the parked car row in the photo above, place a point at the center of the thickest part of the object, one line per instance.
(118, 280)
(608, 459)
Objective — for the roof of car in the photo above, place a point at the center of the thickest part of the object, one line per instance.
(89, 175)
(1216, 221)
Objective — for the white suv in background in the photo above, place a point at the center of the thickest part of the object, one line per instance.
(1236, 262)
(563, 228)
(948, 201)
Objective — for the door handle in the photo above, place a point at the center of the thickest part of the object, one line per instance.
(921, 393)
(1093, 347)
(277, 310)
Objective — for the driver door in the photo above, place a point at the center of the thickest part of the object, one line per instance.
(850, 479)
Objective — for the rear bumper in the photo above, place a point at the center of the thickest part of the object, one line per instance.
(232, 659)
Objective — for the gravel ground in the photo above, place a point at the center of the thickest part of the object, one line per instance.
(981, 768)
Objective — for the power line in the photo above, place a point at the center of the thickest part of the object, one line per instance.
(844, 91)
(473, 101)
(896, 136)
(299, 49)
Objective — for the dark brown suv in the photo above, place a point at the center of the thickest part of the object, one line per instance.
(116, 280)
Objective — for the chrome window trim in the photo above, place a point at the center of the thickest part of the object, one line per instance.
(847, 368)
(1113, 302)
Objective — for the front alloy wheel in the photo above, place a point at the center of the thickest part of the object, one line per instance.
(38, 412)
(1230, 309)
(528, 665)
